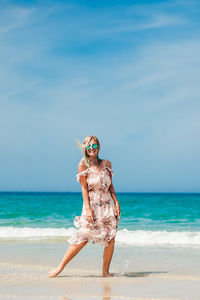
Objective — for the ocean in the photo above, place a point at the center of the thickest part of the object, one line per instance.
(147, 219)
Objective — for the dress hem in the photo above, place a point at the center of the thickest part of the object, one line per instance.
(101, 242)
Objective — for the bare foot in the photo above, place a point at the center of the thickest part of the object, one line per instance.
(108, 275)
(54, 272)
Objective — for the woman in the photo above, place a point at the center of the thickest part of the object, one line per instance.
(100, 212)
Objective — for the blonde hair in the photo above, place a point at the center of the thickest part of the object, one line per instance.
(83, 145)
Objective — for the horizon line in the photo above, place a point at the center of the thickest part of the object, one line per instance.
(71, 192)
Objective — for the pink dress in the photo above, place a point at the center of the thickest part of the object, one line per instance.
(105, 224)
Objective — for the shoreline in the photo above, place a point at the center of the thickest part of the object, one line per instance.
(140, 272)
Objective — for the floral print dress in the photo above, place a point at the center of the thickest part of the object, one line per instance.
(105, 224)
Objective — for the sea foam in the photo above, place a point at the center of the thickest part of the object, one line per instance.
(124, 236)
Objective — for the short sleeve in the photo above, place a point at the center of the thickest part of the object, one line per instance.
(110, 170)
(83, 173)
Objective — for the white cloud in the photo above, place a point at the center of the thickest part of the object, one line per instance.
(13, 18)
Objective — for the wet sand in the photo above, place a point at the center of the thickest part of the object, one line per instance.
(139, 272)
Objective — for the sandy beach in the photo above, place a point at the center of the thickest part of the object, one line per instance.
(139, 272)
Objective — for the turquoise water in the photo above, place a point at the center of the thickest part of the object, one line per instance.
(173, 213)
(138, 211)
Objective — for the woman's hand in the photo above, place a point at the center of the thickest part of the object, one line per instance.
(89, 215)
(118, 211)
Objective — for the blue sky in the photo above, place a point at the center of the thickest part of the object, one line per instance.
(125, 71)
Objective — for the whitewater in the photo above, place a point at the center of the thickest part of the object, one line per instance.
(124, 236)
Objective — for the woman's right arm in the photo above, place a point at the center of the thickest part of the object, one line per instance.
(84, 188)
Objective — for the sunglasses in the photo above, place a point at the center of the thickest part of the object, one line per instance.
(94, 146)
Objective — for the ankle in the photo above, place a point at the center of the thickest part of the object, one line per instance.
(60, 267)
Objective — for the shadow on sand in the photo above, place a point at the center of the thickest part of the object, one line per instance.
(126, 274)
(142, 274)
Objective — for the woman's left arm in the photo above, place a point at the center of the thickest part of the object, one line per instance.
(113, 194)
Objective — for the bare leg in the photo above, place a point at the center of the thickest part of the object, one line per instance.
(107, 256)
(69, 254)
